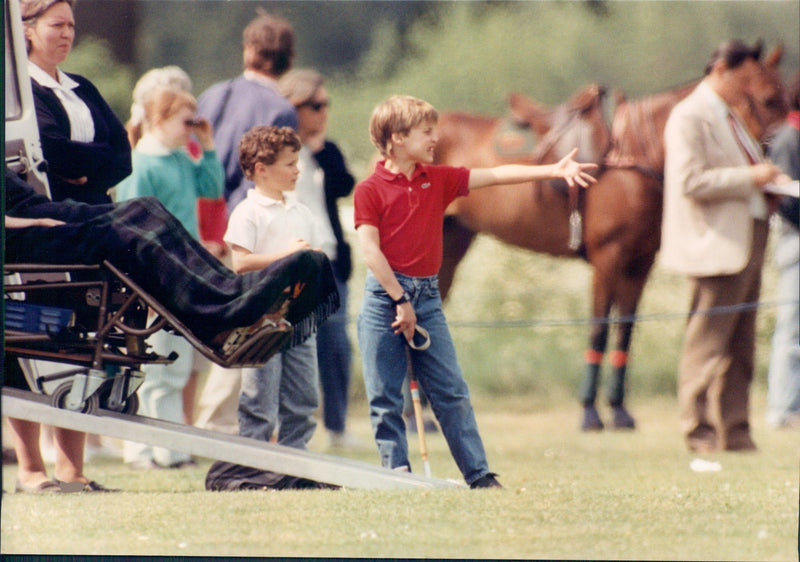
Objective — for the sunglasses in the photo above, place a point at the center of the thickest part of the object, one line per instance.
(315, 105)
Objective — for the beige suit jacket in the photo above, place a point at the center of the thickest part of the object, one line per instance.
(707, 226)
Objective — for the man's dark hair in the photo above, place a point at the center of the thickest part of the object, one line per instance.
(272, 42)
(735, 53)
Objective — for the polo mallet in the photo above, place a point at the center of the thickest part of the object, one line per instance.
(420, 341)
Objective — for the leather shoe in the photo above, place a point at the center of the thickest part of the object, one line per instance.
(486, 481)
(741, 443)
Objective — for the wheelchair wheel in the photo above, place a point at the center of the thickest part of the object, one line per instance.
(59, 399)
(130, 406)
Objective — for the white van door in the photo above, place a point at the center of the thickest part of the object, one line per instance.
(22, 145)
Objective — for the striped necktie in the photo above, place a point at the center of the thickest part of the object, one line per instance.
(758, 206)
(746, 142)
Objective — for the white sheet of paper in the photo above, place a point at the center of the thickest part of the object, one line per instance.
(789, 188)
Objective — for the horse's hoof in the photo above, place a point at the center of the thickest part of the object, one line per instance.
(591, 419)
(622, 419)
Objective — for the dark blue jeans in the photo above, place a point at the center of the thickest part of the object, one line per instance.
(384, 359)
(334, 358)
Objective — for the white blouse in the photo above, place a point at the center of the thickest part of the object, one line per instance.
(81, 124)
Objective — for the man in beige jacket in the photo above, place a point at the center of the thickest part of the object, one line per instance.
(715, 231)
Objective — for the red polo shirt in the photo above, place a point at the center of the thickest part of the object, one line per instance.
(409, 213)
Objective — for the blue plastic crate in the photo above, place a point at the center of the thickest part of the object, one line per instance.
(27, 317)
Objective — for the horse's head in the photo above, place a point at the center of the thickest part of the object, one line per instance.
(766, 105)
(577, 123)
(527, 112)
(581, 122)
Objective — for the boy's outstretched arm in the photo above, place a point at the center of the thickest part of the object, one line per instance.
(370, 240)
(566, 168)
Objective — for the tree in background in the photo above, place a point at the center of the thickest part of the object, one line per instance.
(465, 55)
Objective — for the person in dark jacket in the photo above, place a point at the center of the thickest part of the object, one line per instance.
(87, 152)
(83, 141)
(324, 178)
(783, 377)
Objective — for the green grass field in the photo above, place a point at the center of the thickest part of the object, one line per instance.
(568, 495)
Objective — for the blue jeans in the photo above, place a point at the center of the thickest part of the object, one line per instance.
(437, 370)
(282, 394)
(783, 378)
(333, 354)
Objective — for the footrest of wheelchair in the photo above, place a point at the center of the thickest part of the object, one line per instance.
(245, 347)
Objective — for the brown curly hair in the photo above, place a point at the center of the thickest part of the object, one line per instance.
(262, 144)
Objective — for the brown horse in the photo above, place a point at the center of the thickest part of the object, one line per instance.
(621, 213)
(623, 223)
(534, 215)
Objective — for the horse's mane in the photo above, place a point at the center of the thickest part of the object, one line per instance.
(637, 129)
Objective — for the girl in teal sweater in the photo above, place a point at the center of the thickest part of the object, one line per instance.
(164, 168)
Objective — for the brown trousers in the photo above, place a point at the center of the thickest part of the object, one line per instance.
(717, 363)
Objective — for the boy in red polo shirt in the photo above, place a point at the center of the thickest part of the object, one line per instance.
(399, 212)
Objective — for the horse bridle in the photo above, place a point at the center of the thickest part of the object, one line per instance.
(573, 192)
(551, 137)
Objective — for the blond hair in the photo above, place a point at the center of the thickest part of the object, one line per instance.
(151, 82)
(161, 104)
(399, 114)
(300, 86)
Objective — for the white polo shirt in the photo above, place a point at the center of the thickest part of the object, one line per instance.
(263, 225)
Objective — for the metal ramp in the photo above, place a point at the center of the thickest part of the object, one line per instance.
(340, 471)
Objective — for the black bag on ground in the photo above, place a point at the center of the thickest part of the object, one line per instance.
(227, 477)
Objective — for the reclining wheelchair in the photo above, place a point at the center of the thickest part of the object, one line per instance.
(90, 324)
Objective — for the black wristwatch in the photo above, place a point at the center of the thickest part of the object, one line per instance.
(405, 297)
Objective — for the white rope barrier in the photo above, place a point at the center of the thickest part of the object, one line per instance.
(636, 318)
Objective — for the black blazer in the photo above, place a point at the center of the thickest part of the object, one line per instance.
(105, 161)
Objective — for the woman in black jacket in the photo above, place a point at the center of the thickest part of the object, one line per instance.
(84, 143)
(324, 178)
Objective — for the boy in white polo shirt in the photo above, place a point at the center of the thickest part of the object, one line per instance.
(267, 225)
